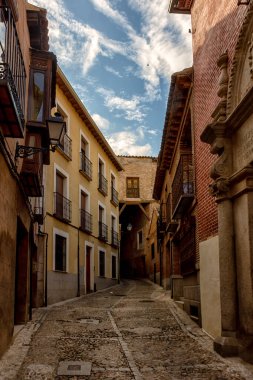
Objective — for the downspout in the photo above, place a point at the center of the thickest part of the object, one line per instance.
(78, 265)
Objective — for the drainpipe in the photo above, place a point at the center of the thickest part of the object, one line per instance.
(161, 264)
(78, 265)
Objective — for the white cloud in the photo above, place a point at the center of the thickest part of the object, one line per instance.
(130, 108)
(113, 71)
(100, 121)
(125, 143)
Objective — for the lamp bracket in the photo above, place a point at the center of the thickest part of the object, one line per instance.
(23, 151)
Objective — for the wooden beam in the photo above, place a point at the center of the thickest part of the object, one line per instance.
(122, 209)
(144, 212)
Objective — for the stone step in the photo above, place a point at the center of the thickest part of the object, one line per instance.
(180, 304)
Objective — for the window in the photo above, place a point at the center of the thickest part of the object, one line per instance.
(102, 227)
(132, 187)
(37, 96)
(140, 239)
(115, 237)
(62, 205)
(114, 266)
(114, 193)
(152, 250)
(65, 143)
(60, 253)
(86, 217)
(102, 263)
(102, 181)
(86, 165)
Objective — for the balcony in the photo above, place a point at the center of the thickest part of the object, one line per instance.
(115, 239)
(86, 221)
(65, 146)
(31, 176)
(161, 222)
(62, 207)
(114, 197)
(180, 6)
(12, 78)
(86, 166)
(182, 187)
(102, 184)
(102, 231)
(171, 225)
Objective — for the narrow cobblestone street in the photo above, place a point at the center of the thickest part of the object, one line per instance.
(131, 331)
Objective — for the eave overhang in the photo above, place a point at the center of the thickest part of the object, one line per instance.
(181, 83)
(73, 98)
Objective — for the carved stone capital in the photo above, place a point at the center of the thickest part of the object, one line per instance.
(219, 187)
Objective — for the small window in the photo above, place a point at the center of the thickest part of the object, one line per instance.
(101, 264)
(152, 250)
(132, 187)
(37, 96)
(60, 253)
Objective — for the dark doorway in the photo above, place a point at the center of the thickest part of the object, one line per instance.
(88, 253)
(21, 275)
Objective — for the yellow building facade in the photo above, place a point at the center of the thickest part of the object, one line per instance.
(81, 205)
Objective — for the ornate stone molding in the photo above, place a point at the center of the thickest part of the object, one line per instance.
(242, 64)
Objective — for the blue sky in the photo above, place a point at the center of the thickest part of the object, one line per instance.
(119, 55)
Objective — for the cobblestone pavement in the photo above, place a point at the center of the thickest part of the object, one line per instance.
(131, 331)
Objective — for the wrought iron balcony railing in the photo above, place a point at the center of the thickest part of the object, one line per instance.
(86, 166)
(114, 197)
(86, 221)
(102, 231)
(162, 218)
(115, 239)
(66, 146)
(182, 186)
(12, 77)
(171, 225)
(62, 207)
(102, 184)
(133, 193)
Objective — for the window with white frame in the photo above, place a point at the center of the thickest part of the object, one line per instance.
(114, 266)
(66, 142)
(62, 205)
(85, 216)
(102, 181)
(85, 163)
(101, 263)
(60, 250)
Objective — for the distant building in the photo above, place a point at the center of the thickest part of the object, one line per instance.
(81, 208)
(136, 208)
(27, 94)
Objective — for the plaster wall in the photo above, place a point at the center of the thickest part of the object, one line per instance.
(210, 286)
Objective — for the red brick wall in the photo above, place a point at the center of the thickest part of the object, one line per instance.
(215, 28)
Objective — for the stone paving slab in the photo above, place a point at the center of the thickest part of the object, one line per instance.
(120, 338)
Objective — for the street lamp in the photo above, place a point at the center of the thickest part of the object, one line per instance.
(129, 227)
(56, 129)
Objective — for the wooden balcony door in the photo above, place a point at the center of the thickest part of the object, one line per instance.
(88, 257)
(59, 191)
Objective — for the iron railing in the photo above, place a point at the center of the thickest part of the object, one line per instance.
(86, 221)
(114, 197)
(102, 231)
(86, 166)
(102, 184)
(38, 207)
(115, 238)
(62, 207)
(183, 184)
(12, 68)
(66, 145)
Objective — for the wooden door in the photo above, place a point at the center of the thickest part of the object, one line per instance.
(88, 249)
